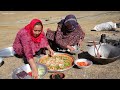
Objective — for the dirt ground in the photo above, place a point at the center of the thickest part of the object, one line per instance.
(12, 21)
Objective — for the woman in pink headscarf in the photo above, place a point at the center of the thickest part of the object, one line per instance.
(29, 41)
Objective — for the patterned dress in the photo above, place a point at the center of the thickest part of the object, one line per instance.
(61, 38)
(24, 45)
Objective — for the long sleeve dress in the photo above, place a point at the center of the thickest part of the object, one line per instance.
(23, 44)
(63, 39)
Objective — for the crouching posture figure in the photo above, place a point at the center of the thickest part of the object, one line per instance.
(68, 34)
(29, 41)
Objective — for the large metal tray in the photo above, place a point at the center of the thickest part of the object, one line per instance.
(57, 53)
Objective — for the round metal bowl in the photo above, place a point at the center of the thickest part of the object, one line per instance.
(41, 66)
(83, 60)
(27, 69)
(60, 70)
(107, 52)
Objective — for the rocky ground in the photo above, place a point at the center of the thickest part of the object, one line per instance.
(12, 21)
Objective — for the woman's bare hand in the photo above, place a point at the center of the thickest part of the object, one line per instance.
(35, 74)
(51, 52)
(34, 68)
(70, 48)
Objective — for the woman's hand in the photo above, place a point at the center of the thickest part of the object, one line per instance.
(51, 52)
(35, 74)
(70, 48)
(34, 68)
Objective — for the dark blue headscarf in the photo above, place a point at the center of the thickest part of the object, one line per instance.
(70, 22)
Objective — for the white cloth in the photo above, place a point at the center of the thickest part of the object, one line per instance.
(7, 52)
(105, 26)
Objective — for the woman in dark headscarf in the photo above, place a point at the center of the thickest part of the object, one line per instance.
(68, 34)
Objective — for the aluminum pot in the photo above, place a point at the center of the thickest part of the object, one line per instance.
(107, 52)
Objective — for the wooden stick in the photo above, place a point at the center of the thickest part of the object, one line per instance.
(98, 55)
